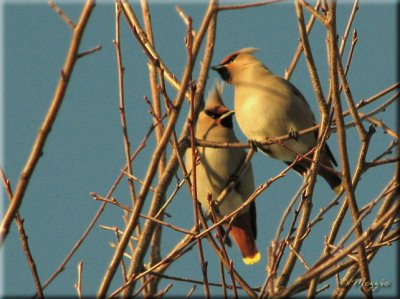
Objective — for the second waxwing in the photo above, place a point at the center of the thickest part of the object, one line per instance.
(215, 169)
(268, 106)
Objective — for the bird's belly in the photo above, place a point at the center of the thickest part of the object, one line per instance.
(260, 121)
(213, 175)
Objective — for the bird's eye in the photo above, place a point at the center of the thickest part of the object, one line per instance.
(232, 58)
(229, 59)
(211, 114)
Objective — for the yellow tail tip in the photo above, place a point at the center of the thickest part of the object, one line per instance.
(250, 260)
(338, 189)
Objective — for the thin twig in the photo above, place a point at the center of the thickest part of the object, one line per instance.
(248, 5)
(347, 184)
(78, 284)
(143, 241)
(316, 270)
(299, 50)
(122, 103)
(62, 15)
(45, 128)
(24, 238)
(90, 51)
(184, 18)
(314, 12)
(155, 255)
(99, 212)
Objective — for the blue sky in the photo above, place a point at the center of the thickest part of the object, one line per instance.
(85, 152)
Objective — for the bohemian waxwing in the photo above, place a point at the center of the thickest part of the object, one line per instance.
(267, 106)
(215, 169)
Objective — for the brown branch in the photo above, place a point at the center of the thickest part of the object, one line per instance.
(227, 263)
(297, 254)
(299, 50)
(144, 240)
(184, 18)
(347, 184)
(320, 268)
(90, 51)
(323, 133)
(155, 255)
(78, 284)
(351, 52)
(122, 104)
(252, 198)
(145, 43)
(337, 268)
(380, 124)
(44, 131)
(175, 253)
(62, 15)
(390, 192)
(349, 97)
(24, 238)
(115, 229)
(347, 31)
(285, 214)
(249, 5)
(314, 12)
(195, 281)
(99, 212)
(115, 202)
(376, 96)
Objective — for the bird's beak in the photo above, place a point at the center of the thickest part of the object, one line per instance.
(217, 67)
(222, 71)
(227, 114)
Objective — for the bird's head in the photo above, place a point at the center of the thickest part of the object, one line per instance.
(234, 63)
(215, 113)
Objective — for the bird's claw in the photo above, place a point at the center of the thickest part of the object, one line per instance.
(293, 133)
(233, 178)
(254, 145)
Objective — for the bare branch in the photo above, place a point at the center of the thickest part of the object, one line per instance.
(62, 15)
(44, 131)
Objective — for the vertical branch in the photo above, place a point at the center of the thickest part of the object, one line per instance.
(327, 264)
(155, 256)
(152, 168)
(299, 50)
(122, 103)
(44, 131)
(348, 27)
(312, 174)
(196, 205)
(24, 239)
(313, 285)
(347, 184)
(78, 284)
(99, 212)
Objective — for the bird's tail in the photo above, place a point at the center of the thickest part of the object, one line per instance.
(331, 177)
(334, 181)
(243, 236)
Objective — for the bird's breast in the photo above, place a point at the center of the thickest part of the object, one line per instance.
(259, 118)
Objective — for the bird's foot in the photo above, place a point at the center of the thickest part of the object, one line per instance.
(293, 133)
(254, 144)
(234, 178)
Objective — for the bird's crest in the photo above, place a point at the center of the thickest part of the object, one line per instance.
(215, 95)
(249, 50)
(232, 56)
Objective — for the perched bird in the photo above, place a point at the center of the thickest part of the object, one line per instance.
(268, 106)
(215, 169)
